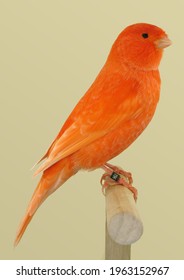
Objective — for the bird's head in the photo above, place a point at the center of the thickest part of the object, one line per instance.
(141, 46)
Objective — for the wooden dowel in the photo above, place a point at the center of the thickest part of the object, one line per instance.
(124, 225)
(115, 251)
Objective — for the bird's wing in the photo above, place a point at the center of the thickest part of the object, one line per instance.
(100, 110)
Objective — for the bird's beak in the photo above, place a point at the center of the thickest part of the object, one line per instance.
(163, 43)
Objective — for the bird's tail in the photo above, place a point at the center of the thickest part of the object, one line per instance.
(51, 179)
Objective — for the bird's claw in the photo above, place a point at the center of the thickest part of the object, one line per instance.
(116, 175)
(106, 181)
(118, 170)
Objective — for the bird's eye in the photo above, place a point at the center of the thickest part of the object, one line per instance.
(145, 35)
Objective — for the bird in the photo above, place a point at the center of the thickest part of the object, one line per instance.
(110, 116)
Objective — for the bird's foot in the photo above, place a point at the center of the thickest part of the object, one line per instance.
(106, 181)
(118, 170)
(116, 175)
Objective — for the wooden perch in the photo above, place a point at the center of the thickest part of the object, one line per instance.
(115, 251)
(123, 223)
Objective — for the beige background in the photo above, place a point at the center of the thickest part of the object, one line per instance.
(50, 53)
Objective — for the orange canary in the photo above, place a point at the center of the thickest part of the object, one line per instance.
(110, 116)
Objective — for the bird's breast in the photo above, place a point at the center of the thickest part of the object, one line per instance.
(126, 132)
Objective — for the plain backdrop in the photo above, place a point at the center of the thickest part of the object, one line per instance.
(50, 53)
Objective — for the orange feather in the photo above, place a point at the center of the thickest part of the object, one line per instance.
(110, 116)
